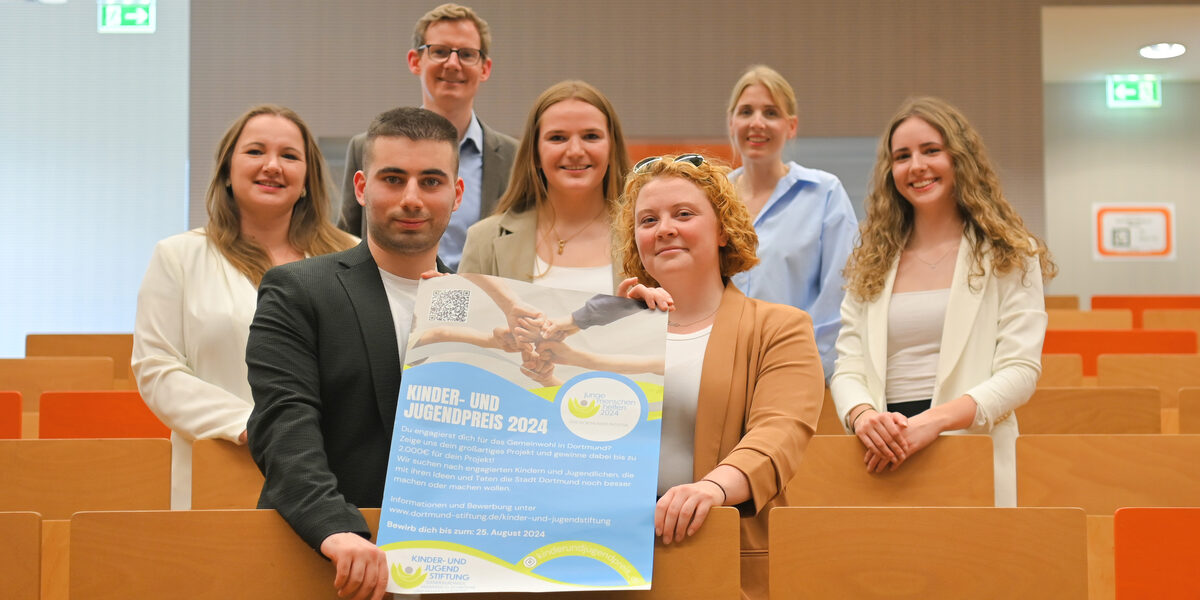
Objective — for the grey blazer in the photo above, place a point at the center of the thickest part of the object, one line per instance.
(324, 369)
(499, 150)
(503, 245)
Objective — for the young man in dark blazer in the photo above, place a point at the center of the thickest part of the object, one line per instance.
(327, 342)
(450, 55)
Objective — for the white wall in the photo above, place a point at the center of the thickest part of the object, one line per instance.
(1095, 155)
(93, 164)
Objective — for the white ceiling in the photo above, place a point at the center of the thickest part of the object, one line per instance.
(1087, 43)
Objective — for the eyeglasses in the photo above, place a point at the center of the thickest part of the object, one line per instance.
(440, 54)
(692, 159)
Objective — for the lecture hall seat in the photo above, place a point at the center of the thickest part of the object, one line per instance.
(10, 415)
(117, 346)
(1091, 410)
(255, 554)
(1155, 553)
(955, 470)
(713, 148)
(1189, 410)
(1167, 372)
(20, 555)
(828, 553)
(1102, 473)
(224, 476)
(1067, 301)
(1062, 318)
(32, 376)
(1172, 318)
(1090, 343)
(1140, 303)
(98, 414)
(1061, 370)
(57, 478)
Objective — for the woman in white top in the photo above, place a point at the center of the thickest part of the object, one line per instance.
(803, 217)
(268, 204)
(944, 315)
(743, 385)
(553, 225)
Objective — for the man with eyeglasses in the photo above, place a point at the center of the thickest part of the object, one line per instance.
(450, 55)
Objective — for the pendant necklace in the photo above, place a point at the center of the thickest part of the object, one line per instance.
(933, 265)
(697, 320)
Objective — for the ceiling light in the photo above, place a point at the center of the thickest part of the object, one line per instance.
(1162, 50)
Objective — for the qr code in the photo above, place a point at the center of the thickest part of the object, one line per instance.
(450, 305)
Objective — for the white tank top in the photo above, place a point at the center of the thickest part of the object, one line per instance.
(914, 342)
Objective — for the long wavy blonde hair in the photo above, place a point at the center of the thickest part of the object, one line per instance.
(994, 228)
(309, 232)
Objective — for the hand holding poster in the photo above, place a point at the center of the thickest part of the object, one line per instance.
(525, 449)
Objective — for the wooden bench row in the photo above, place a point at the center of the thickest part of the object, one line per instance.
(829, 552)
(1098, 473)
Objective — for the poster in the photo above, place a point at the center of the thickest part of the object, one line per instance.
(525, 449)
(1134, 231)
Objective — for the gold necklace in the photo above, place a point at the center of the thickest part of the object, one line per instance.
(562, 242)
(697, 320)
(933, 265)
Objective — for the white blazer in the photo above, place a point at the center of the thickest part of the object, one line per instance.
(189, 348)
(991, 350)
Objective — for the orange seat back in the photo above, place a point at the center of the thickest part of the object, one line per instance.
(1138, 304)
(720, 149)
(1091, 343)
(1155, 552)
(10, 415)
(98, 414)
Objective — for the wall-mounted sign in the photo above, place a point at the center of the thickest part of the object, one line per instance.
(117, 16)
(1134, 91)
(1134, 231)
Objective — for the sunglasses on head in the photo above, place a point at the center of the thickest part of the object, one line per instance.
(692, 159)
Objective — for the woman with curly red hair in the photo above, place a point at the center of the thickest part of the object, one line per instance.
(743, 384)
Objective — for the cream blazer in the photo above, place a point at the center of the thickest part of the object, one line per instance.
(504, 245)
(991, 350)
(189, 348)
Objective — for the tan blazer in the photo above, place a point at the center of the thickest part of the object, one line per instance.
(760, 397)
(503, 245)
(991, 350)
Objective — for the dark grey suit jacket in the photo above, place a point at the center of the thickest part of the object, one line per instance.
(325, 372)
(499, 151)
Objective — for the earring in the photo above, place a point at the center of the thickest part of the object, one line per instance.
(304, 192)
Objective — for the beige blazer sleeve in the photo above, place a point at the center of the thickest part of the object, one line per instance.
(504, 245)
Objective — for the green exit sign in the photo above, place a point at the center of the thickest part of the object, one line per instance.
(1134, 91)
(125, 17)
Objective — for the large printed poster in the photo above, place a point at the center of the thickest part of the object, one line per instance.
(525, 449)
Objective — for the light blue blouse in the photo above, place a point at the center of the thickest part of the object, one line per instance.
(805, 233)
